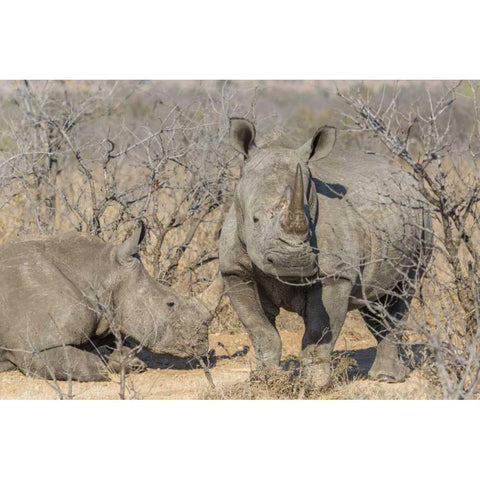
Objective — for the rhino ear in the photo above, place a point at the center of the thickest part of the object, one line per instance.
(242, 135)
(131, 245)
(320, 145)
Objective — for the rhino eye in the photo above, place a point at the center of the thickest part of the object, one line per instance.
(255, 219)
(170, 304)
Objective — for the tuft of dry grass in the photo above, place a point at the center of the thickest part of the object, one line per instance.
(284, 384)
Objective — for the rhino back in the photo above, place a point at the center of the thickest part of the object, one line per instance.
(369, 210)
(44, 292)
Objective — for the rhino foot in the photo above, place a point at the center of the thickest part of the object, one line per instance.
(387, 366)
(125, 357)
(391, 372)
(263, 373)
(317, 375)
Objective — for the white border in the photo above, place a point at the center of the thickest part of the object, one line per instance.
(240, 40)
(240, 439)
(214, 39)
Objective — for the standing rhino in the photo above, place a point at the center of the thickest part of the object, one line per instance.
(319, 231)
(58, 297)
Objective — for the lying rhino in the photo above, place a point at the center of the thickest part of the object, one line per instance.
(56, 300)
(320, 231)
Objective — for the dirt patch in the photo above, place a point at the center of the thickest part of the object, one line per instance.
(230, 369)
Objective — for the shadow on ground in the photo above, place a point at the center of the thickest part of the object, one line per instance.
(359, 361)
(153, 360)
(414, 356)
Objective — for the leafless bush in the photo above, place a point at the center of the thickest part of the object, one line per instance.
(423, 137)
(75, 156)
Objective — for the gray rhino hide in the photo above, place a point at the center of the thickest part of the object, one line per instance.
(321, 230)
(62, 295)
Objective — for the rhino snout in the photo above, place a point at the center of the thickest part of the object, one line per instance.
(278, 264)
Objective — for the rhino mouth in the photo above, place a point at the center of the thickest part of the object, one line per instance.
(294, 267)
(292, 274)
(183, 347)
(299, 280)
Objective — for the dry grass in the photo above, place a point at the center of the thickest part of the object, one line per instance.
(285, 384)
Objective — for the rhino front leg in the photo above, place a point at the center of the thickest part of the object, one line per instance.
(263, 334)
(325, 313)
(62, 363)
(125, 358)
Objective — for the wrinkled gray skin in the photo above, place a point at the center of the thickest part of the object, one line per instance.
(50, 293)
(351, 224)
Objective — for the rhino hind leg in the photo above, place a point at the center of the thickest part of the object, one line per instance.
(387, 367)
(7, 366)
(63, 363)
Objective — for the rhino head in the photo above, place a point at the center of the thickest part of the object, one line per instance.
(153, 314)
(276, 203)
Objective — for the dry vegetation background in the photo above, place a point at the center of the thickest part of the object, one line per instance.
(97, 156)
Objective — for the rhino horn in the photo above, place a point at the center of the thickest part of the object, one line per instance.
(294, 220)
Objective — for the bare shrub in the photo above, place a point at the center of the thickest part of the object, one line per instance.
(93, 156)
(424, 137)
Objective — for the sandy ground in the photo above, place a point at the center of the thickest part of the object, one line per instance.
(231, 366)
